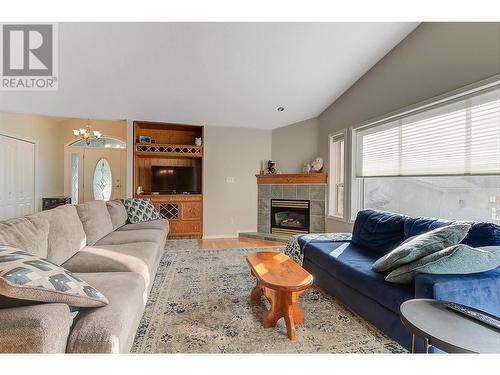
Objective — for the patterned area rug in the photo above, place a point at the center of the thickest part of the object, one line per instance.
(200, 304)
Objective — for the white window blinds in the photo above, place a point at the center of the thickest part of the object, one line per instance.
(457, 138)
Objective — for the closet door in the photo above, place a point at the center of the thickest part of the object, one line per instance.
(17, 177)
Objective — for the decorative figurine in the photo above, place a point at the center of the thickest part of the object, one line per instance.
(317, 164)
(271, 167)
(197, 141)
(306, 168)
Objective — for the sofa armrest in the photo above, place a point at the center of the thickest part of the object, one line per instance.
(478, 290)
(40, 328)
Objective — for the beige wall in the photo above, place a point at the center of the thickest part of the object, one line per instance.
(294, 145)
(232, 152)
(45, 131)
(52, 134)
(436, 58)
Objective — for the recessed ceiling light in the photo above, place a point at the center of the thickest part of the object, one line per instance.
(281, 109)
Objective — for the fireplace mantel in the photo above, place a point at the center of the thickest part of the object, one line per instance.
(292, 178)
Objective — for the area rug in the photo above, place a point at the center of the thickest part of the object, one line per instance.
(200, 304)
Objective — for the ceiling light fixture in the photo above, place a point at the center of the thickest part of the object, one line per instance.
(87, 134)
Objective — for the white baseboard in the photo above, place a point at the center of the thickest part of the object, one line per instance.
(229, 235)
(219, 236)
(246, 231)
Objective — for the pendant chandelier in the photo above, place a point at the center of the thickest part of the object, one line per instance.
(87, 134)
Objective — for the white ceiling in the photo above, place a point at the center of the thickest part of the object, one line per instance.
(226, 74)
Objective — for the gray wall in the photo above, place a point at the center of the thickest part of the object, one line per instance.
(436, 58)
(294, 145)
(232, 152)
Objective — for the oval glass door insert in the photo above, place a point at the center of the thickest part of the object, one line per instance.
(103, 180)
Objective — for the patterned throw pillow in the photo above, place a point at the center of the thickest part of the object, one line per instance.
(26, 277)
(139, 210)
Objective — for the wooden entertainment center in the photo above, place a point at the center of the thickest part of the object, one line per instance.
(173, 146)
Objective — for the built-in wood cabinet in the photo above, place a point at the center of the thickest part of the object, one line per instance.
(183, 212)
(174, 145)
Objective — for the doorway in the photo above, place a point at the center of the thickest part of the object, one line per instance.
(96, 171)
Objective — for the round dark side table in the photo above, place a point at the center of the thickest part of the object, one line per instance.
(446, 329)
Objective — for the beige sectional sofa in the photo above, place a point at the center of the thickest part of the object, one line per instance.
(94, 241)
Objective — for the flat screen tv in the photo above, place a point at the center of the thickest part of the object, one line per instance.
(175, 180)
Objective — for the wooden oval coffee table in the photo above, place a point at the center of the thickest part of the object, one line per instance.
(281, 281)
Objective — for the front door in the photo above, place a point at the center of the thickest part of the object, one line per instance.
(95, 173)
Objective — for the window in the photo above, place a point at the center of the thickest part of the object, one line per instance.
(74, 178)
(336, 207)
(460, 138)
(102, 180)
(443, 161)
(106, 142)
(474, 198)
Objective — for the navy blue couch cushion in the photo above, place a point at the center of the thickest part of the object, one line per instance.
(480, 234)
(479, 290)
(352, 265)
(378, 231)
(483, 234)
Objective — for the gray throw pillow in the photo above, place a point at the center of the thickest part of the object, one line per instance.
(27, 277)
(424, 244)
(140, 210)
(458, 259)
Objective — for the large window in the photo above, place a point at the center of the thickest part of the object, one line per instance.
(443, 161)
(458, 198)
(336, 205)
(460, 138)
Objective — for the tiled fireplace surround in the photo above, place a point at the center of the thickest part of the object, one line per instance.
(314, 193)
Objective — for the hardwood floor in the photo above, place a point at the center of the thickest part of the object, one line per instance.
(232, 243)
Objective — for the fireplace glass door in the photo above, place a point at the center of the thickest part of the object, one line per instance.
(289, 216)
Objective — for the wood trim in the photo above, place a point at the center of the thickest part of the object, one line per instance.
(169, 145)
(166, 126)
(157, 154)
(166, 198)
(293, 178)
(188, 151)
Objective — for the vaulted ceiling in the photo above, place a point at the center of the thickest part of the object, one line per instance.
(226, 74)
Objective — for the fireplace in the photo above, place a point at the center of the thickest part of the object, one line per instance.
(289, 216)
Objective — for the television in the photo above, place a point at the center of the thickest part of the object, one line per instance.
(175, 180)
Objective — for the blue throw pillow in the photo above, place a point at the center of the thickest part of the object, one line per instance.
(422, 245)
(455, 260)
(379, 231)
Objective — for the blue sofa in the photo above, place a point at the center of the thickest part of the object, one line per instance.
(344, 269)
